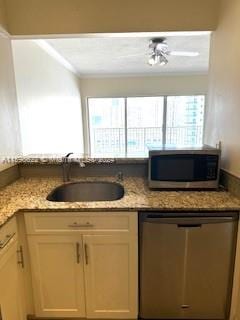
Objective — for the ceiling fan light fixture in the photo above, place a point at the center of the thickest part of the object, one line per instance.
(162, 47)
(153, 59)
(159, 52)
(157, 59)
(162, 60)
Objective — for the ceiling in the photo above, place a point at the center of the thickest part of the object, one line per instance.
(116, 56)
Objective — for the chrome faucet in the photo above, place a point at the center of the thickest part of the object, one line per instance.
(119, 176)
(66, 166)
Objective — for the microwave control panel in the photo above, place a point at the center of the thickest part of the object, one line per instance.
(212, 167)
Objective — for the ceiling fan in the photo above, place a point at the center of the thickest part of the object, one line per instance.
(159, 51)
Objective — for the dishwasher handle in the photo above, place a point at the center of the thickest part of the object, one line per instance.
(187, 221)
(192, 225)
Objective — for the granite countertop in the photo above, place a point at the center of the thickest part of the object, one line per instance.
(29, 194)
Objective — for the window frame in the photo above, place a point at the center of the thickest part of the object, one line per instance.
(86, 118)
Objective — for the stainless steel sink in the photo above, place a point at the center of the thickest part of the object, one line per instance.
(87, 191)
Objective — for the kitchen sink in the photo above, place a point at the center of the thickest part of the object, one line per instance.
(87, 191)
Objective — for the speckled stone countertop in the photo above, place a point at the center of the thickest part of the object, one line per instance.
(29, 194)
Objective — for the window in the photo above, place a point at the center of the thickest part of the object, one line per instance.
(126, 127)
(144, 124)
(184, 121)
(107, 126)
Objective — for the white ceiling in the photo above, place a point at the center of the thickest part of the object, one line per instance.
(116, 56)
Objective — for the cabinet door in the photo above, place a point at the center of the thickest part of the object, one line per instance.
(57, 274)
(111, 276)
(9, 285)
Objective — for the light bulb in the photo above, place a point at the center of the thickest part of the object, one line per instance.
(156, 59)
(153, 59)
(162, 60)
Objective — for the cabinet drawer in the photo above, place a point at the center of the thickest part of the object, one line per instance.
(7, 232)
(8, 237)
(9, 227)
(80, 222)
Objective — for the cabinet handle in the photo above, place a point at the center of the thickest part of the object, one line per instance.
(78, 252)
(20, 253)
(4, 242)
(86, 253)
(81, 225)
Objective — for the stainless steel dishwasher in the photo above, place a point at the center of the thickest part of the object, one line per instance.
(186, 264)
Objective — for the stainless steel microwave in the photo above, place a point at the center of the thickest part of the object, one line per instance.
(188, 168)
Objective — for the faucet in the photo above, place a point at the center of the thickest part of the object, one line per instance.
(66, 167)
(119, 176)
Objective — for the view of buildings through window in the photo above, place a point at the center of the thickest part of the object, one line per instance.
(122, 127)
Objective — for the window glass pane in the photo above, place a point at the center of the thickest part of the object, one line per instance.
(107, 133)
(185, 117)
(144, 124)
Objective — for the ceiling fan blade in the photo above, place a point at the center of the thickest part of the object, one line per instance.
(184, 53)
(129, 56)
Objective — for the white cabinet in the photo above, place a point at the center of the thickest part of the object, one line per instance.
(57, 273)
(10, 303)
(85, 267)
(110, 276)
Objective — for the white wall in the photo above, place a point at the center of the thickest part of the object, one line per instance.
(49, 102)
(10, 143)
(223, 114)
(141, 86)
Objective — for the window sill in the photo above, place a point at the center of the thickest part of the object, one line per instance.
(40, 159)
